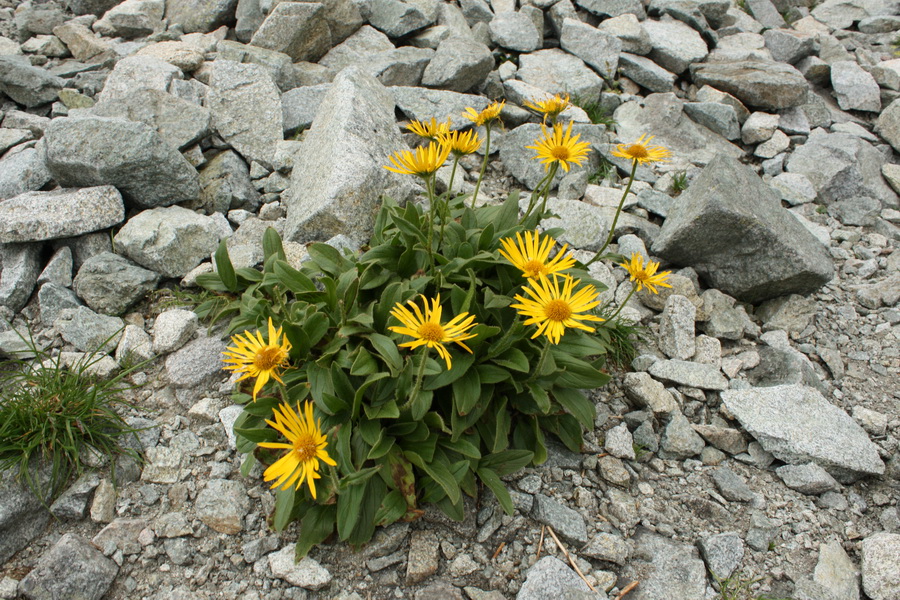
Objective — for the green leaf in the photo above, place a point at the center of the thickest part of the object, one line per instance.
(462, 446)
(380, 449)
(328, 258)
(438, 470)
(316, 525)
(387, 350)
(577, 404)
(361, 390)
(384, 254)
(506, 462)
(225, 269)
(461, 366)
(348, 504)
(410, 229)
(513, 359)
(568, 430)
(540, 396)
(247, 465)
(466, 392)
(492, 374)
(257, 435)
(420, 404)
(493, 481)
(577, 373)
(509, 212)
(271, 243)
(293, 279)
(284, 506)
(392, 509)
(388, 410)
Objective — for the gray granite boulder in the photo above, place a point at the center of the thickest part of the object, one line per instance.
(22, 516)
(597, 49)
(38, 216)
(111, 284)
(196, 364)
(133, 72)
(28, 85)
(551, 578)
(676, 46)
(766, 85)
(132, 19)
(798, 425)
(880, 575)
(613, 8)
(397, 19)
(23, 170)
(19, 269)
(278, 64)
(515, 31)
(558, 72)
(87, 330)
(200, 15)
(54, 576)
(170, 241)
(298, 29)
(459, 64)
(646, 73)
(339, 176)
(752, 251)
(520, 160)
(424, 104)
(356, 48)
(665, 568)
(53, 299)
(131, 156)
(855, 88)
(225, 184)
(568, 523)
(178, 122)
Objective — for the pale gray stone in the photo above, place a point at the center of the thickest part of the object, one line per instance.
(778, 143)
(80, 40)
(566, 522)
(138, 72)
(732, 486)
(723, 553)
(111, 284)
(278, 64)
(72, 504)
(356, 48)
(880, 575)
(789, 46)
(515, 31)
(647, 392)
(789, 421)
(134, 347)
(200, 15)
(550, 577)
(619, 442)
(87, 330)
(225, 185)
(132, 19)
(38, 216)
(196, 364)
(20, 269)
(809, 479)
(459, 64)
(679, 440)
(609, 547)
(23, 170)
(307, 573)
(163, 465)
(666, 569)
(766, 85)
(596, 48)
(58, 269)
(185, 56)
(836, 572)
(793, 188)
(423, 560)
(888, 124)
(178, 122)
(675, 45)
(717, 117)
(222, 505)
(53, 576)
(520, 162)
(613, 8)
(759, 127)
(395, 18)
(22, 515)
(681, 372)
(53, 299)
(558, 72)
(855, 88)
(724, 438)
(630, 32)
(298, 29)
(28, 85)
(172, 329)
(401, 66)
(676, 328)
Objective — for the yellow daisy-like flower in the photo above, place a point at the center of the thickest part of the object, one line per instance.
(424, 161)
(641, 151)
(461, 143)
(429, 130)
(255, 357)
(560, 146)
(489, 114)
(427, 328)
(550, 108)
(532, 255)
(645, 276)
(553, 308)
(306, 449)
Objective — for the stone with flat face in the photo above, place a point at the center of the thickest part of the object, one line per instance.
(762, 84)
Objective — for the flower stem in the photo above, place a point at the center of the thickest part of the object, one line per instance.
(487, 154)
(420, 375)
(621, 306)
(429, 187)
(612, 229)
(445, 209)
(535, 194)
(553, 169)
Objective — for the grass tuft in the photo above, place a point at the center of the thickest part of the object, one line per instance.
(596, 113)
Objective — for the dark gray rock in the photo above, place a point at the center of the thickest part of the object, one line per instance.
(732, 486)
(19, 269)
(459, 64)
(53, 299)
(131, 156)
(339, 176)
(783, 365)
(716, 116)
(54, 577)
(752, 251)
(300, 105)
(23, 171)
(395, 18)
(298, 29)
(87, 330)
(28, 85)
(225, 184)
(38, 216)
(551, 578)
(789, 46)
(111, 284)
(90, 7)
(566, 522)
(73, 503)
(200, 15)
(766, 85)
(666, 569)
(791, 420)
(22, 516)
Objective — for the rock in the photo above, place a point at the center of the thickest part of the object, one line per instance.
(765, 85)
(222, 505)
(277, 64)
(566, 522)
(402, 66)
(609, 547)
(186, 57)
(22, 515)
(550, 577)
(855, 88)
(335, 188)
(80, 41)
(836, 573)
(459, 64)
(172, 329)
(111, 284)
(724, 438)
(53, 576)
(178, 122)
(666, 569)
(396, 18)
(613, 8)
(131, 19)
(23, 171)
(171, 240)
(786, 258)
(422, 562)
(788, 421)
(26, 84)
(38, 216)
(676, 328)
(520, 162)
(73, 503)
(759, 127)
(558, 72)
(20, 269)
(675, 45)
(597, 49)
(691, 374)
(93, 151)
(225, 185)
(793, 188)
(880, 576)
(720, 118)
(298, 29)
(679, 440)
(789, 46)
(875, 423)
(307, 573)
(200, 15)
(515, 31)
(888, 124)
(619, 442)
(163, 465)
(723, 553)
(809, 479)
(53, 299)
(647, 392)
(732, 486)
(120, 534)
(135, 346)
(138, 72)
(627, 27)
(88, 331)
(300, 105)
(356, 49)
(195, 364)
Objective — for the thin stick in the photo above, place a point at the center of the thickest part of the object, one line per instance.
(571, 560)
(498, 550)
(541, 543)
(628, 589)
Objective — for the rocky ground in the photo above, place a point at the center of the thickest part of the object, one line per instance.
(750, 450)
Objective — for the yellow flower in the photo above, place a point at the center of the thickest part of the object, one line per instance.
(531, 255)
(461, 143)
(645, 276)
(427, 328)
(550, 108)
(429, 130)
(561, 147)
(424, 162)
(306, 449)
(641, 152)
(255, 357)
(553, 309)
(489, 114)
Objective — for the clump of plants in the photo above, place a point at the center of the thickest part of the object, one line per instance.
(434, 363)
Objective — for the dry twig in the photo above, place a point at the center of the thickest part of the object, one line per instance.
(571, 560)
(498, 550)
(627, 589)
(540, 543)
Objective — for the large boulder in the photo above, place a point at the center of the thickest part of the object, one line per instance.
(459, 64)
(339, 175)
(73, 568)
(298, 29)
(38, 216)
(558, 72)
(91, 151)
(19, 269)
(22, 516)
(762, 84)
(28, 85)
(753, 251)
(178, 122)
(200, 15)
(23, 170)
(111, 284)
(665, 568)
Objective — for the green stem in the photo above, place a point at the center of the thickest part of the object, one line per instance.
(452, 174)
(445, 209)
(429, 187)
(547, 186)
(420, 375)
(612, 229)
(621, 306)
(487, 154)
(541, 360)
(535, 194)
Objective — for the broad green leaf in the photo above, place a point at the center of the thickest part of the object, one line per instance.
(577, 404)
(316, 525)
(438, 470)
(225, 269)
(392, 509)
(460, 367)
(348, 505)
(540, 396)
(387, 350)
(284, 506)
(293, 279)
(506, 462)
(492, 481)
(328, 258)
(271, 243)
(513, 359)
(466, 392)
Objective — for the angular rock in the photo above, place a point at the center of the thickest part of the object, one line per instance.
(666, 569)
(565, 521)
(53, 299)
(855, 88)
(682, 372)
(87, 330)
(609, 547)
(356, 48)
(163, 465)
(880, 576)
(550, 577)
(619, 442)
(753, 252)
(558, 72)
(459, 64)
(809, 479)
(395, 18)
(132, 18)
(246, 109)
(723, 553)
(278, 64)
(732, 486)
(766, 85)
(222, 505)
(20, 269)
(186, 57)
(92, 151)
(134, 347)
(679, 440)
(171, 240)
(676, 46)
(401, 66)
(836, 573)
(23, 171)
(676, 328)
(53, 576)
(423, 559)
(336, 185)
(197, 363)
(597, 49)
(172, 329)
(789, 46)
(111, 284)
(200, 15)
(630, 32)
(613, 8)
(138, 72)
(725, 439)
(225, 185)
(22, 515)
(178, 122)
(298, 29)
(38, 216)
(121, 534)
(80, 40)
(73, 503)
(307, 573)
(647, 392)
(515, 31)
(28, 85)
(519, 160)
(790, 420)
(720, 118)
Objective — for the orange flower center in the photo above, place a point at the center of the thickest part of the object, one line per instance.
(557, 310)
(269, 357)
(560, 153)
(431, 332)
(533, 268)
(637, 151)
(305, 449)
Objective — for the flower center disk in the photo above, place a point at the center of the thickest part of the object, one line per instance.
(305, 448)
(558, 310)
(638, 151)
(533, 268)
(431, 332)
(560, 153)
(268, 357)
